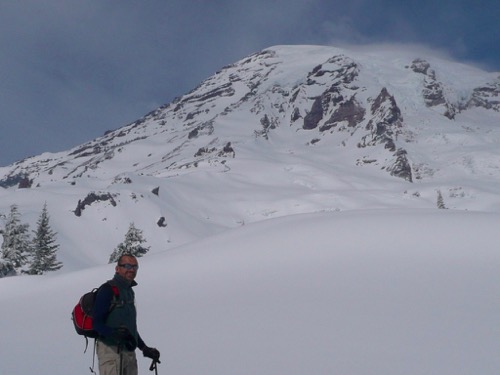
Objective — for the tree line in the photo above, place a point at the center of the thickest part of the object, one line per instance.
(36, 254)
(23, 253)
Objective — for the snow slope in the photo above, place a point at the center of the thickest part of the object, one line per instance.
(361, 292)
(278, 166)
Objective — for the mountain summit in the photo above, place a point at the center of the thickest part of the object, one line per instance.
(329, 129)
(308, 210)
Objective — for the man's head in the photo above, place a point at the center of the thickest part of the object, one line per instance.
(127, 267)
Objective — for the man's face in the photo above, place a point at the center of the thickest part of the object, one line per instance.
(127, 268)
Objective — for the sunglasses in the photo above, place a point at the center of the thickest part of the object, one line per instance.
(128, 266)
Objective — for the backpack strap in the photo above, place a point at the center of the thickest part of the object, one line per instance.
(86, 344)
(93, 357)
(116, 292)
(116, 295)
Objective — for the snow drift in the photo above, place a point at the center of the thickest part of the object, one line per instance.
(393, 292)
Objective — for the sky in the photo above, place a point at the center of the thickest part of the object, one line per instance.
(71, 70)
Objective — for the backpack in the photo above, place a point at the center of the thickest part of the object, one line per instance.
(82, 312)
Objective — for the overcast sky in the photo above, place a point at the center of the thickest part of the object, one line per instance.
(72, 69)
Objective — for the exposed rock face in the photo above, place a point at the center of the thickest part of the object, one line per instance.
(92, 198)
(487, 96)
(349, 112)
(162, 222)
(267, 125)
(385, 124)
(384, 127)
(420, 66)
(401, 166)
(25, 183)
(315, 115)
(225, 151)
(335, 102)
(433, 91)
(13, 180)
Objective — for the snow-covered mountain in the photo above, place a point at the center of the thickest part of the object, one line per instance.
(291, 205)
(291, 129)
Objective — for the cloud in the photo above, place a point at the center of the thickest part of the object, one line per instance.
(342, 31)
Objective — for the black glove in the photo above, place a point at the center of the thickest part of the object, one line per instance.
(152, 353)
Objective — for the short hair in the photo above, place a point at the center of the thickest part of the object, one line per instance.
(125, 255)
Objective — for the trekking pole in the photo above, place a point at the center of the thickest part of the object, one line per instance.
(121, 359)
(154, 366)
(93, 357)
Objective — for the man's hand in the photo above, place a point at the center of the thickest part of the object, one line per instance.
(152, 353)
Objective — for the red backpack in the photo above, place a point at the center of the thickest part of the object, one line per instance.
(82, 312)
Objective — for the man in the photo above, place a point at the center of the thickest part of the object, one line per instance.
(115, 319)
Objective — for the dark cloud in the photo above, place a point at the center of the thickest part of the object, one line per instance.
(69, 70)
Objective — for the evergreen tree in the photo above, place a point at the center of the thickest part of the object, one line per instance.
(44, 247)
(131, 245)
(16, 245)
(6, 269)
(440, 201)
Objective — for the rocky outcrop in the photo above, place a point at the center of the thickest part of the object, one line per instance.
(385, 124)
(227, 150)
(433, 91)
(92, 198)
(401, 166)
(487, 96)
(162, 222)
(384, 128)
(315, 115)
(13, 180)
(268, 124)
(337, 104)
(349, 112)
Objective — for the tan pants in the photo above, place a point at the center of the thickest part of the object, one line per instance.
(109, 360)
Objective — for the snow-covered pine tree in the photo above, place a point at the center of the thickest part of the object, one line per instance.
(6, 269)
(44, 249)
(440, 201)
(16, 245)
(131, 245)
